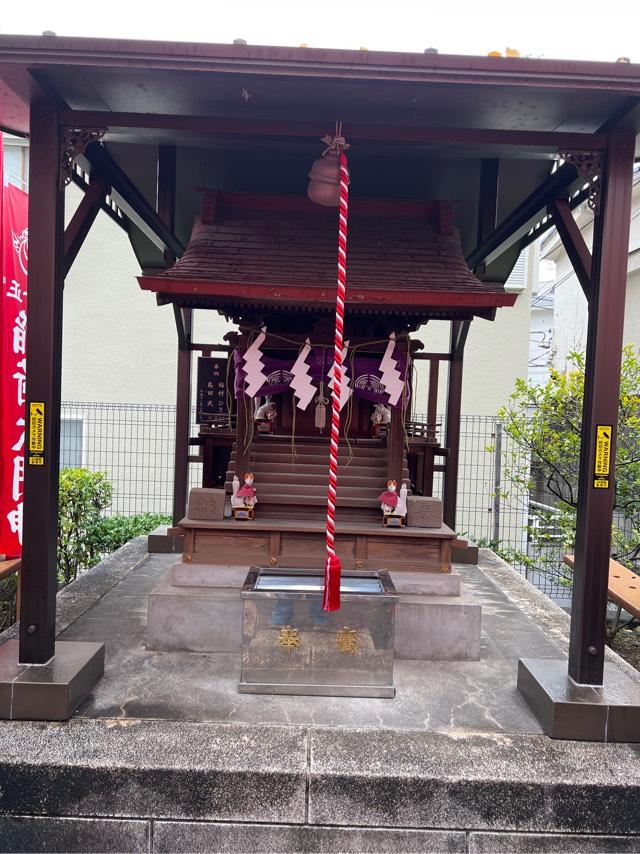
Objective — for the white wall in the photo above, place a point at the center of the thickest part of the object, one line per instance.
(570, 305)
(118, 345)
(495, 354)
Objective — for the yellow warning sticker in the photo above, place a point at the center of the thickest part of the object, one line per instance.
(36, 461)
(36, 429)
(603, 450)
(600, 483)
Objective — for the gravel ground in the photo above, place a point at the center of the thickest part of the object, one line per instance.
(627, 644)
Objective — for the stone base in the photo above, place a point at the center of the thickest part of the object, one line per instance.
(228, 575)
(206, 504)
(194, 619)
(464, 552)
(52, 691)
(424, 511)
(160, 541)
(197, 608)
(581, 712)
(438, 628)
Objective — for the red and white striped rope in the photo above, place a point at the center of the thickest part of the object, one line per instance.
(331, 599)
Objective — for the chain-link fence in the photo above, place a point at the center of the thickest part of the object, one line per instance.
(134, 445)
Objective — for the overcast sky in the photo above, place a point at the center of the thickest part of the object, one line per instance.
(586, 30)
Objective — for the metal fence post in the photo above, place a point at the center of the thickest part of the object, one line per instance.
(497, 481)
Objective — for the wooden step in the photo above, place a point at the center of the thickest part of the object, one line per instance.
(293, 499)
(286, 455)
(320, 468)
(319, 478)
(317, 514)
(306, 490)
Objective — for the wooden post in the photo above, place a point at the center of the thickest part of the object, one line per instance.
(166, 208)
(183, 418)
(38, 578)
(244, 424)
(396, 438)
(459, 331)
(600, 410)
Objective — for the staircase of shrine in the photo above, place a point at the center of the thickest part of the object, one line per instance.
(288, 528)
(291, 477)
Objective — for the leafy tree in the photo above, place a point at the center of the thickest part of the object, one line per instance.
(545, 422)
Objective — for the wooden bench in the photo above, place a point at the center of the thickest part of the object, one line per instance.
(623, 590)
(8, 567)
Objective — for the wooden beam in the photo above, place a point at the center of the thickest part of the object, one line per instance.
(550, 140)
(318, 294)
(131, 200)
(573, 242)
(82, 220)
(600, 410)
(39, 576)
(111, 211)
(166, 192)
(520, 220)
(488, 201)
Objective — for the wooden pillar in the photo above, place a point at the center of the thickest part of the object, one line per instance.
(396, 436)
(183, 418)
(38, 578)
(459, 331)
(395, 446)
(600, 410)
(244, 424)
(166, 209)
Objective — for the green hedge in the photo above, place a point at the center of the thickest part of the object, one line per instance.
(85, 535)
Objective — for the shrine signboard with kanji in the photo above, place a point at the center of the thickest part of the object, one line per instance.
(212, 405)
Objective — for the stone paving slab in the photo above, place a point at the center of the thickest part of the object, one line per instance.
(100, 836)
(471, 780)
(550, 843)
(200, 838)
(148, 769)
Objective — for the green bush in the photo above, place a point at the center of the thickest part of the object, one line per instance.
(545, 422)
(111, 532)
(83, 496)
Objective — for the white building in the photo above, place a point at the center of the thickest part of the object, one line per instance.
(569, 303)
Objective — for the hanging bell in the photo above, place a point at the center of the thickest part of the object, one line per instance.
(324, 186)
(321, 412)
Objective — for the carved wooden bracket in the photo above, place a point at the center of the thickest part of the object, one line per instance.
(589, 166)
(74, 141)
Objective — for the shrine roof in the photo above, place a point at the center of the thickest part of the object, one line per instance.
(263, 246)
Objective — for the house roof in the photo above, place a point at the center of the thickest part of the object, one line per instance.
(263, 247)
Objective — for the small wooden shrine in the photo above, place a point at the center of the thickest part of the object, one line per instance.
(267, 262)
(502, 148)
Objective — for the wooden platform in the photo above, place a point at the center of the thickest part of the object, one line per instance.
(301, 542)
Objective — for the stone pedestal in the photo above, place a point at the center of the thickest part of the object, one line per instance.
(52, 691)
(580, 712)
(198, 608)
(424, 512)
(194, 619)
(438, 628)
(206, 505)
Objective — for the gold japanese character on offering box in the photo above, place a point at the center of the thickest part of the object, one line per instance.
(347, 640)
(289, 638)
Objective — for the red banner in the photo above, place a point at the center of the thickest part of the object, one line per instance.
(13, 330)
